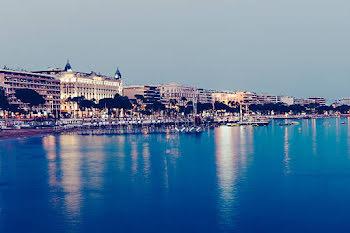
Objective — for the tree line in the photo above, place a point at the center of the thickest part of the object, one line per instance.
(151, 106)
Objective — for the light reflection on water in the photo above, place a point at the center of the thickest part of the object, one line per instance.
(348, 134)
(286, 152)
(231, 159)
(134, 157)
(71, 162)
(146, 159)
(219, 181)
(314, 136)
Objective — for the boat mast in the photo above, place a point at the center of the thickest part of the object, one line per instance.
(240, 113)
(194, 102)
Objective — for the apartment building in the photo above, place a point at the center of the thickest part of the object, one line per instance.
(266, 99)
(287, 100)
(176, 91)
(149, 93)
(46, 85)
(315, 100)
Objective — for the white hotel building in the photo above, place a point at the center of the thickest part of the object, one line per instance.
(90, 85)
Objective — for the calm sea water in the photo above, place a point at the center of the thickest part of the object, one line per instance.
(231, 179)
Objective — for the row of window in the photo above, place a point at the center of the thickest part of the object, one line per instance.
(31, 86)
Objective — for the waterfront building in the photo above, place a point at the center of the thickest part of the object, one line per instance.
(204, 96)
(315, 100)
(287, 100)
(345, 101)
(266, 99)
(246, 97)
(229, 97)
(46, 85)
(176, 91)
(150, 93)
(4, 88)
(91, 85)
(299, 101)
(226, 97)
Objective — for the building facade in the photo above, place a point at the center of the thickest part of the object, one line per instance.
(90, 85)
(345, 101)
(246, 97)
(266, 99)
(178, 92)
(4, 88)
(299, 101)
(315, 100)
(149, 93)
(238, 97)
(224, 97)
(46, 85)
(204, 96)
(287, 100)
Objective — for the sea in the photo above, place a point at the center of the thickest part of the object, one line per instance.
(268, 179)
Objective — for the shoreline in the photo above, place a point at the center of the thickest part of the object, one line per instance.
(6, 134)
(25, 133)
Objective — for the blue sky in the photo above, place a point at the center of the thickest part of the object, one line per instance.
(292, 47)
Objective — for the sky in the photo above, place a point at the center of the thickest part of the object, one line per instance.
(282, 47)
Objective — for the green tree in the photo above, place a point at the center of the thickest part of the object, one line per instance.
(86, 104)
(343, 109)
(172, 102)
(78, 99)
(29, 96)
(204, 107)
(140, 97)
(183, 100)
(108, 103)
(156, 106)
(323, 109)
(4, 104)
(122, 102)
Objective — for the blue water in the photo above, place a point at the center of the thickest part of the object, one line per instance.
(231, 179)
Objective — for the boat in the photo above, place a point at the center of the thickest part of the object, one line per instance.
(195, 129)
(254, 123)
(184, 130)
(288, 123)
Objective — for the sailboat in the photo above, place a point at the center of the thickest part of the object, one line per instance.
(197, 128)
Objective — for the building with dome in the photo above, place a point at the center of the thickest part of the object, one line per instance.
(91, 85)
